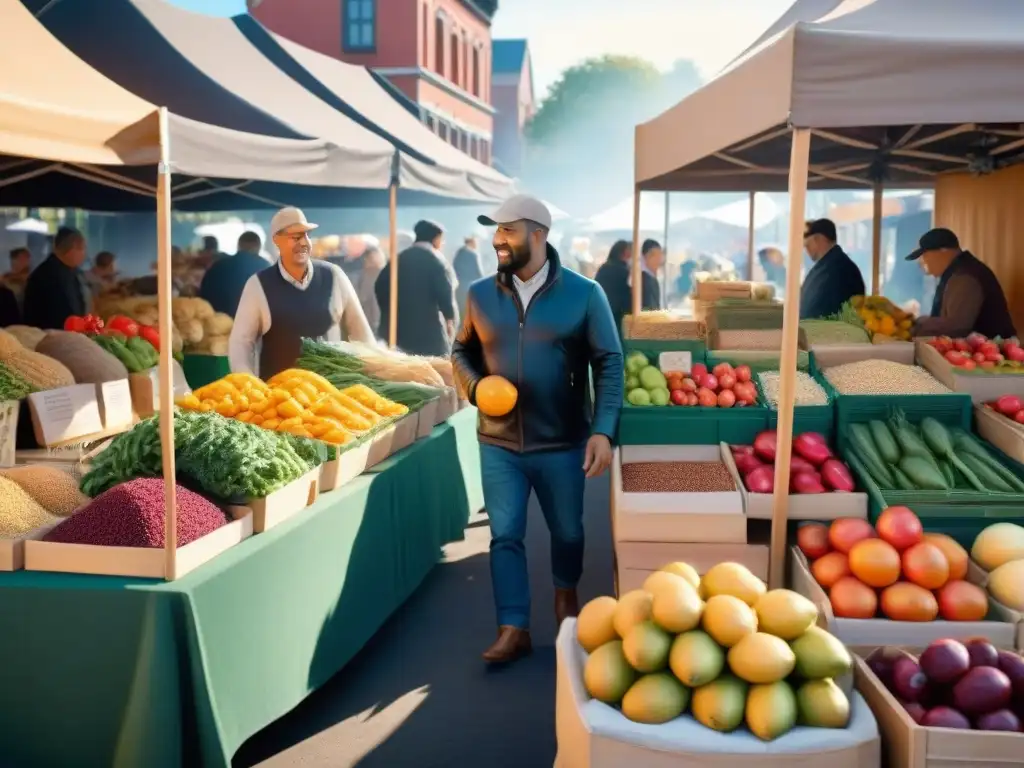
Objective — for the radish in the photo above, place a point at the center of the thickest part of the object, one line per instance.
(1009, 405)
(765, 445)
(836, 476)
(811, 449)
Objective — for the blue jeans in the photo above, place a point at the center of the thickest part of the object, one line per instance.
(557, 478)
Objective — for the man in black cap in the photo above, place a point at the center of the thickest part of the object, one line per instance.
(427, 315)
(968, 298)
(834, 279)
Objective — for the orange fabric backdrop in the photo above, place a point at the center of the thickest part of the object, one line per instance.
(987, 214)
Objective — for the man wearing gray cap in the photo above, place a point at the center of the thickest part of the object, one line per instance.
(543, 328)
(296, 298)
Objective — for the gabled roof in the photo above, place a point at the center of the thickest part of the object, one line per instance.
(508, 56)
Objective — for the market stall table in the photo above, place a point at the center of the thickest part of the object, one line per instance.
(130, 672)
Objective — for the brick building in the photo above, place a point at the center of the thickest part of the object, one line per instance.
(436, 52)
(513, 98)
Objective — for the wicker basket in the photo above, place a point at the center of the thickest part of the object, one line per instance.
(8, 431)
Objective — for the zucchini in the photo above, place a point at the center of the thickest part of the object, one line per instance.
(938, 439)
(865, 466)
(947, 472)
(966, 444)
(923, 474)
(860, 438)
(884, 441)
(902, 481)
(991, 479)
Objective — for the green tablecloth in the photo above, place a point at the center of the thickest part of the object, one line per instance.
(126, 673)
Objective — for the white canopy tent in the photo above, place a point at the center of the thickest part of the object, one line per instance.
(871, 92)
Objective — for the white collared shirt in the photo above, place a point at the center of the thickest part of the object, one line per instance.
(527, 289)
(253, 320)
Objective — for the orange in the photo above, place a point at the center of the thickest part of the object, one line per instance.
(495, 396)
(909, 602)
(875, 562)
(830, 568)
(926, 565)
(955, 554)
(853, 599)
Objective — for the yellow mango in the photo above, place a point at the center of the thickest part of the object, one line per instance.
(256, 419)
(301, 398)
(279, 395)
(270, 413)
(270, 423)
(319, 428)
(245, 416)
(290, 422)
(289, 408)
(205, 407)
(259, 406)
(336, 436)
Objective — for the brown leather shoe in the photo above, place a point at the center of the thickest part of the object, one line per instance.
(512, 644)
(566, 604)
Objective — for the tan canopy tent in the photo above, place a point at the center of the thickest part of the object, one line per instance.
(872, 92)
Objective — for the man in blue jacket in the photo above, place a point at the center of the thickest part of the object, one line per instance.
(543, 328)
(833, 280)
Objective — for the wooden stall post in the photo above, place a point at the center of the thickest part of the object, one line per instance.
(876, 239)
(798, 167)
(393, 249)
(165, 372)
(635, 275)
(664, 247)
(750, 240)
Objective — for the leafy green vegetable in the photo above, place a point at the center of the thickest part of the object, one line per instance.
(227, 459)
(12, 385)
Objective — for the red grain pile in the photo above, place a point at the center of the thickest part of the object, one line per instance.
(132, 515)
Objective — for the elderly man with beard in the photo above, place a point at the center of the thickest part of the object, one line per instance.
(295, 298)
(543, 328)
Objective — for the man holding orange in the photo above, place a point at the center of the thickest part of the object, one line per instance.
(530, 336)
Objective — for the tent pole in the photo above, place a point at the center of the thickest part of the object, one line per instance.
(636, 276)
(876, 239)
(664, 250)
(393, 250)
(798, 167)
(750, 240)
(165, 377)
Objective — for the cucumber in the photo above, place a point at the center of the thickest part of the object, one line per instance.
(884, 441)
(860, 438)
(966, 444)
(947, 472)
(923, 474)
(902, 481)
(863, 466)
(940, 442)
(991, 479)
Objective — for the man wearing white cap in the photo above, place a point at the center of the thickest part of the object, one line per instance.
(295, 298)
(543, 328)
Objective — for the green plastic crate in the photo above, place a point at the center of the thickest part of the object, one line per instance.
(954, 409)
(667, 425)
(696, 348)
(806, 418)
(756, 360)
(201, 370)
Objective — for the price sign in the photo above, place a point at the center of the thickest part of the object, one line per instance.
(116, 397)
(675, 361)
(66, 414)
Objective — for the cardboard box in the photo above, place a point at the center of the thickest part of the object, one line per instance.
(997, 629)
(636, 560)
(1005, 434)
(12, 551)
(348, 466)
(592, 734)
(909, 745)
(982, 387)
(821, 506)
(828, 355)
(428, 418)
(142, 562)
(381, 446)
(678, 517)
(406, 431)
(284, 503)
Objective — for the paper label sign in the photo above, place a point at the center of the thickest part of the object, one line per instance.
(67, 413)
(117, 404)
(675, 361)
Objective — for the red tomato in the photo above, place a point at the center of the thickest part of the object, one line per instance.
(743, 373)
(689, 385)
(150, 334)
(853, 599)
(727, 381)
(812, 538)
(900, 527)
(698, 369)
(711, 382)
(721, 369)
(678, 397)
(726, 399)
(692, 399)
(955, 554)
(706, 398)
(847, 531)
(962, 601)
(125, 325)
(76, 324)
(909, 602)
(1019, 418)
(925, 565)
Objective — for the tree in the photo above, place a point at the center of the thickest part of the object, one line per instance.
(580, 141)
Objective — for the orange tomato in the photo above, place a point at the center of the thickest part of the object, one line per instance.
(925, 565)
(904, 601)
(955, 554)
(830, 568)
(847, 531)
(875, 562)
(853, 599)
(962, 601)
(900, 527)
(495, 396)
(812, 538)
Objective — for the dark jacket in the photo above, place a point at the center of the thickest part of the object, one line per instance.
(9, 312)
(426, 298)
(467, 271)
(546, 352)
(54, 293)
(613, 277)
(968, 299)
(830, 283)
(651, 292)
(223, 282)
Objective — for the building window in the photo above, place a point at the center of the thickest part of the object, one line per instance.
(453, 137)
(456, 70)
(474, 71)
(439, 45)
(360, 25)
(425, 57)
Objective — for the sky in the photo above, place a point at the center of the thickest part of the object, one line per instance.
(564, 32)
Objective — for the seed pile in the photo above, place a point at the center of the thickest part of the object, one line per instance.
(883, 377)
(132, 515)
(19, 512)
(808, 391)
(676, 477)
(54, 489)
